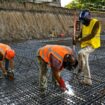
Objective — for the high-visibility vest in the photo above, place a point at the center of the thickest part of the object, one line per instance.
(58, 51)
(86, 30)
(4, 48)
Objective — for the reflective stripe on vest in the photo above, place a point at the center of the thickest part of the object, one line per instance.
(55, 53)
(45, 52)
(50, 50)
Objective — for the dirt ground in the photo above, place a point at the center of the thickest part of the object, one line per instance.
(24, 90)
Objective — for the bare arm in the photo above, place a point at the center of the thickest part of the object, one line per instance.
(59, 80)
(3, 68)
(12, 64)
(56, 67)
(55, 63)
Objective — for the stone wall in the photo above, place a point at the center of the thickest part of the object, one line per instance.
(35, 21)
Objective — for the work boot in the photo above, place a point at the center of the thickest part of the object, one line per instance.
(42, 93)
(86, 82)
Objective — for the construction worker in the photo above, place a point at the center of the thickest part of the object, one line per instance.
(89, 39)
(6, 56)
(57, 57)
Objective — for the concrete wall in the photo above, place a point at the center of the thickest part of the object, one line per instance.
(36, 21)
(28, 21)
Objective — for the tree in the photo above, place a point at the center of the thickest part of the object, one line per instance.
(87, 4)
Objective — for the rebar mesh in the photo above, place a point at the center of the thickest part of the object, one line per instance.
(24, 90)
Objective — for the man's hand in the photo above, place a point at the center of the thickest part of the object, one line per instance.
(10, 75)
(74, 42)
(4, 73)
(77, 40)
(63, 89)
(12, 70)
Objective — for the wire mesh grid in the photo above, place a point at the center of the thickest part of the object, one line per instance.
(24, 90)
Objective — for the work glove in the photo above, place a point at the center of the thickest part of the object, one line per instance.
(79, 40)
(63, 89)
(13, 70)
(10, 75)
(5, 73)
(76, 40)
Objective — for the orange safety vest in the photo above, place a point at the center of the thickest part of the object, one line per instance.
(4, 48)
(58, 51)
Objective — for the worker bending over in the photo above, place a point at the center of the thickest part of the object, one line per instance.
(6, 58)
(58, 57)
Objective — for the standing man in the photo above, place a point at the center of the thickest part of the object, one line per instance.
(89, 40)
(57, 57)
(6, 58)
